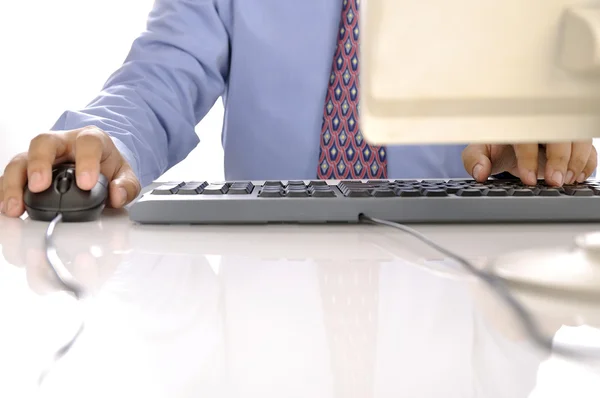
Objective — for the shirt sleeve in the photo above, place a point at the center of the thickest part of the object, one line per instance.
(175, 71)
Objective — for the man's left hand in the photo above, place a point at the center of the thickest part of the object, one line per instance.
(556, 163)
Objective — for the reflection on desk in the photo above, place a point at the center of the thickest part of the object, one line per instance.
(276, 311)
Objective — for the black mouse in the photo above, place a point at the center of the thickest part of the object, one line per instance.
(65, 197)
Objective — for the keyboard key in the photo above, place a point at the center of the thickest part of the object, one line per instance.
(523, 192)
(497, 192)
(355, 189)
(383, 193)
(455, 188)
(273, 184)
(435, 193)
(408, 193)
(296, 183)
(166, 189)
(296, 191)
(296, 187)
(578, 191)
(192, 188)
(241, 188)
(549, 192)
(215, 189)
(322, 193)
(470, 192)
(357, 193)
(317, 183)
(271, 191)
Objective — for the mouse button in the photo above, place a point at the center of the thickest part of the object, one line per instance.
(77, 199)
(46, 200)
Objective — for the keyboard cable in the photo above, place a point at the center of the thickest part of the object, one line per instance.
(68, 282)
(499, 287)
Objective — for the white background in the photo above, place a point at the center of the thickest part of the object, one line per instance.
(56, 55)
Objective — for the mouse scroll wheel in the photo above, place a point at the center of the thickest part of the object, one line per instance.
(63, 182)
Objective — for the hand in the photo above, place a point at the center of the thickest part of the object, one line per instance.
(90, 148)
(556, 163)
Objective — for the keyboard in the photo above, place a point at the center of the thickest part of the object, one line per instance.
(405, 201)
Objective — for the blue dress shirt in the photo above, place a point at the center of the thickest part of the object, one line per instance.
(269, 60)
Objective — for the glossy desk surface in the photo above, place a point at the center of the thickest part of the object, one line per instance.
(278, 311)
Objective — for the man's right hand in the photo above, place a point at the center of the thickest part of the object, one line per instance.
(92, 151)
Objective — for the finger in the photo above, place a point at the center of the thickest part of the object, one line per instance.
(43, 151)
(527, 162)
(557, 160)
(591, 165)
(580, 154)
(90, 151)
(14, 179)
(476, 159)
(124, 187)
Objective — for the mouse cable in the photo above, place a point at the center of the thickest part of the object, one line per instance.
(499, 287)
(69, 283)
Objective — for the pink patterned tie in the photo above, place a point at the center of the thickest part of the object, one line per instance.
(344, 154)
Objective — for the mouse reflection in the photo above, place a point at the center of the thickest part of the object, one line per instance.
(91, 251)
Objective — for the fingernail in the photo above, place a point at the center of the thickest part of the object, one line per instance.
(122, 195)
(569, 178)
(35, 180)
(477, 171)
(532, 178)
(557, 177)
(581, 177)
(85, 178)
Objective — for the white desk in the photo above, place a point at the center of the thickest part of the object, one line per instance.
(259, 311)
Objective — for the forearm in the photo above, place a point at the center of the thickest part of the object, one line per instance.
(171, 78)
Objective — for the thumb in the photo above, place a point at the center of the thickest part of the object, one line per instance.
(476, 159)
(124, 187)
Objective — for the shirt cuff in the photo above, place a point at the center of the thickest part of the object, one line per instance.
(128, 155)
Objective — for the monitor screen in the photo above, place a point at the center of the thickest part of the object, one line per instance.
(467, 71)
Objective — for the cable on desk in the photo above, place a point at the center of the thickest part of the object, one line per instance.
(65, 278)
(68, 282)
(499, 287)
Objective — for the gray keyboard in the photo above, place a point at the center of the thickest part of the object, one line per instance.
(405, 201)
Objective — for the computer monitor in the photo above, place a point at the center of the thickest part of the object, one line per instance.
(487, 71)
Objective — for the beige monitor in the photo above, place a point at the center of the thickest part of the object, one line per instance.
(494, 71)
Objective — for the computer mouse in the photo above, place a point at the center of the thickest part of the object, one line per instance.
(65, 197)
